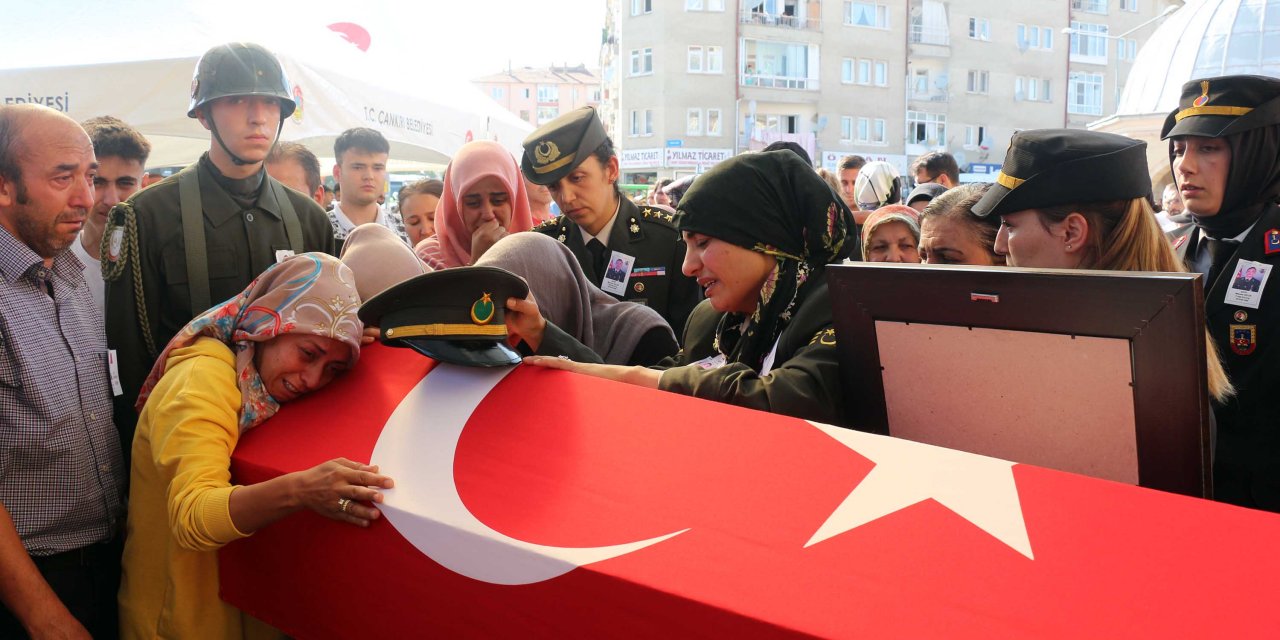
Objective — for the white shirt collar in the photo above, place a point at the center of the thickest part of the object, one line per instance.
(603, 236)
(346, 223)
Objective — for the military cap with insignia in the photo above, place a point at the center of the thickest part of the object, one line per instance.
(555, 148)
(1052, 167)
(455, 315)
(1219, 107)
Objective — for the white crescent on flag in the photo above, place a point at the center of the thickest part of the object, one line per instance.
(417, 447)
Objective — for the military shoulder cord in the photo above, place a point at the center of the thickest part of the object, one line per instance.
(125, 222)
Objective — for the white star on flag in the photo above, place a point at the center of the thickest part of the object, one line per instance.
(977, 488)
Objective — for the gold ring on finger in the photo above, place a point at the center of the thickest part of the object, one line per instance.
(343, 504)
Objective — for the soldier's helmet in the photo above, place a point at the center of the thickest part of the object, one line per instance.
(239, 69)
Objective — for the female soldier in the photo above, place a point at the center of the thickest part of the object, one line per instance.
(760, 230)
(1074, 199)
(291, 332)
(951, 234)
(1224, 145)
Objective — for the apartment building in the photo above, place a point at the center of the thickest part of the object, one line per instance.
(539, 95)
(689, 82)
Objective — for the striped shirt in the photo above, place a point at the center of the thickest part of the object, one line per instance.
(61, 472)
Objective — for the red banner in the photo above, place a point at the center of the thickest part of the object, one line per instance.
(754, 524)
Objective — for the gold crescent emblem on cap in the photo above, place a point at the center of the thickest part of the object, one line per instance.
(1204, 95)
(546, 151)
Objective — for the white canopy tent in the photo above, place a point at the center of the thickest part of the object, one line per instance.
(336, 84)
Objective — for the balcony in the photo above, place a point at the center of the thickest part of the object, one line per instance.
(930, 96)
(777, 82)
(781, 20)
(928, 34)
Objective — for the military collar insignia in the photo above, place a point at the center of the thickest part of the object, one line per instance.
(482, 310)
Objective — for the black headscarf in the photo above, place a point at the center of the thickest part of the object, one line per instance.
(775, 204)
(1253, 181)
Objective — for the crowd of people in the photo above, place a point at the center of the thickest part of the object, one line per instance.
(144, 330)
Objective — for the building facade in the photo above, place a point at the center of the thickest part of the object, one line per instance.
(689, 82)
(539, 95)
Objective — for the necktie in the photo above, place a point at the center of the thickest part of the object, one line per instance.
(1220, 252)
(597, 250)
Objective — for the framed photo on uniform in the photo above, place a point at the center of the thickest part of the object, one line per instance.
(1100, 373)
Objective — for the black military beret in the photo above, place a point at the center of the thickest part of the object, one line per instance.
(555, 148)
(455, 315)
(1219, 107)
(1052, 167)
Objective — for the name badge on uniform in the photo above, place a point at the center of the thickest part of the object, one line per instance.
(283, 254)
(617, 273)
(1247, 283)
(113, 368)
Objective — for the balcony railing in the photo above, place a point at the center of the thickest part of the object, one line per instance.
(1090, 6)
(777, 82)
(930, 96)
(789, 22)
(758, 139)
(924, 34)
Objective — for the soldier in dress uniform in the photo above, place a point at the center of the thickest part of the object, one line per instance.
(202, 235)
(1224, 145)
(573, 157)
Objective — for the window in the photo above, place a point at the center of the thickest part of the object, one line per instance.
(864, 72)
(547, 114)
(695, 59)
(496, 92)
(1028, 88)
(1126, 49)
(1090, 6)
(1035, 37)
(642, 122)
(524, 115)
(1084, 94)
(882, 73)
(693, 5)
(1088, 42)
(715, 60)
(595, 95)
(641, 61)
(1129, 5)
(926, 128)
(715, 5)
(866, 14)
(704, 5)
(864, 130)
(846, 70)
(974, 136)
(779, 65)
(978, 82)
(693, 126)
(641, 6)
(878, 131)
(548, 93)
(846, 129)
(526, 93)
(979, 29)
(921, 85)
(713, 122)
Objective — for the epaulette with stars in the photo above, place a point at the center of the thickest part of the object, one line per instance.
(658, 215)
(553, 227)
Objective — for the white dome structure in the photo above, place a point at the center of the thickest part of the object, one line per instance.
(1203, 39)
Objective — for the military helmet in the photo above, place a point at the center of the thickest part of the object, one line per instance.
(239, 69)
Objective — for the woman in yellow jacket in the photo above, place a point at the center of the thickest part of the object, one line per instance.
(291, 332)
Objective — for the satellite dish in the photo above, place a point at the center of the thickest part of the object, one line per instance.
(1022, 46)
(961, 159)
(941, 81)
(822, 123)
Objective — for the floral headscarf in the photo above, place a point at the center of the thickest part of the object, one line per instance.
(311, 293)
(775, 204)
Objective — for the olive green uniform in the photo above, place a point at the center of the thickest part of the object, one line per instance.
(649, 235)
(804, 381)
(240, 244)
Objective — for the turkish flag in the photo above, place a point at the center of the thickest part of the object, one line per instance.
(781, 527)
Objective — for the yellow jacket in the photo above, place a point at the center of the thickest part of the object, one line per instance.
(179, 489)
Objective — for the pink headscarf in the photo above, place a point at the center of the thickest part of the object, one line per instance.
(451, 246)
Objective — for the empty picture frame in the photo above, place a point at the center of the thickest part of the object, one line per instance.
(1095, 372)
